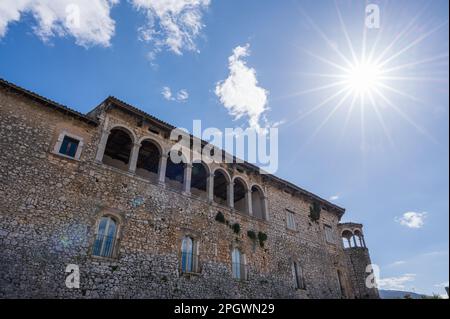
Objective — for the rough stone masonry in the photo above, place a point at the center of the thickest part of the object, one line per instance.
(99, 191)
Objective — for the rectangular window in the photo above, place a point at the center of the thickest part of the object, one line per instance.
(329, 236)
(290, 220)
(69, 146)
(297, 272)
(239, 266)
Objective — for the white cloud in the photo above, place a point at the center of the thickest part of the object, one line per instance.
(412, 219)
(172, 24)
(88, 21)
(334, 197)
(181, 96)
(240, 93)
(442, 284)
(396, 283)
(398, 263)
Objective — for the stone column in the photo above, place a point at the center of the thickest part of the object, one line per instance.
(210, 188)
(230, 192)
(162, 168)
(102, 145)
(363, 242)
(187, 178)
(354, 241)
(266, 208)
(249, 202)
(134, 157)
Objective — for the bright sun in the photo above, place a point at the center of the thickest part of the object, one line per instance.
(363, 78)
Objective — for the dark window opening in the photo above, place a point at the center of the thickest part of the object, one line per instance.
(175, 173)
(69, 146)
(148, 160)
(153, 131)
(220, 188)
(199, 179)
(118, 149)
(240, 196)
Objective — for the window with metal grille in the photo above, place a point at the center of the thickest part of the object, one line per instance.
(189, 257)
(105, 238)
(239, 265)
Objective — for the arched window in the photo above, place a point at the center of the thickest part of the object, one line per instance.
(240, 196)
(347, 238)
(258, 206)
(199, 177)
(297, 273)
(148, 160)
(106, 236)
(220, 188)
(238, 263)
(175, 173)
(189, 258)
(118, 149)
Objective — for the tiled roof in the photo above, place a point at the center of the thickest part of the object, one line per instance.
(45, 101)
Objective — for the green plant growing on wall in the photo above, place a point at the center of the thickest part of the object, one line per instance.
(220, 218)
(314, 211)
(236, 228)
(262, 238)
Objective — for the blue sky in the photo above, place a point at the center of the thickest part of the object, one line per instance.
(377, 169)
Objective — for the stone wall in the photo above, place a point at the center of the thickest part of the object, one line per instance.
(357, 261)
(50, 206)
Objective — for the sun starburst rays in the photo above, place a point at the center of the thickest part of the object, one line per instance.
(367, 76)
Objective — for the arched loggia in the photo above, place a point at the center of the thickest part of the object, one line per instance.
(118, 149)
(199, 180)
(221, 187)
(148, 160)
(175, 173)
(240, 193)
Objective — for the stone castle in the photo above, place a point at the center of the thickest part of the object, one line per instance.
(100, 191)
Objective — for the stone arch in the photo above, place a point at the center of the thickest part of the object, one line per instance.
(347, 236)
(127, 129)
(155, 141)
(119, 147)
(221, 186)
(149, 159)
(199, 179)
(175, 172)
(258, 202)
(240, 195)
